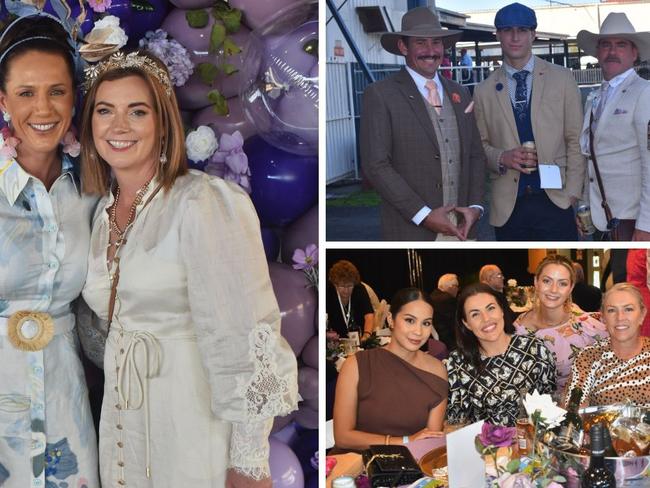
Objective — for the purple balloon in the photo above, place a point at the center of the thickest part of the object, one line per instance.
(298, 109)
(312, 481)
(300, 234)
(307, 417)
(309, 353)
(297, 303)
(284, 185)
(193, 39)
(280, 423)
(225, 124)
(271, 243)
(313, 403)
(193, 95)
(287, 434)
(286, 471)
(141, 21)
(259, 12)
(192, 4)
(308, 383)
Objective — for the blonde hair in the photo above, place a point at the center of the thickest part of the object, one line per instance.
(170, 137)
(624, 286)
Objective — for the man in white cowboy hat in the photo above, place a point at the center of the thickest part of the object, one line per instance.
(529, 100)
(420, 147)
(618, 114)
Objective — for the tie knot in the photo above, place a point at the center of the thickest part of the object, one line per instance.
(520, 76)
(431, 85)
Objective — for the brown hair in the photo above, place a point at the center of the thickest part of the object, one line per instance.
(561, 261)
(95, 175)
(344, 271)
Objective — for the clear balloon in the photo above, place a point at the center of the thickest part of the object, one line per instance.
(256, 13)
(286, 471)
(280, 79)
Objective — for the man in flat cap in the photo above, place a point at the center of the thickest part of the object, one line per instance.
(616, 120)
(420, 147)
(528, 100)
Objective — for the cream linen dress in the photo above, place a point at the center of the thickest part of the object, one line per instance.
(195, 365)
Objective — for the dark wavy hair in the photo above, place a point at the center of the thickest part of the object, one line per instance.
(468, 344)
(405, 296)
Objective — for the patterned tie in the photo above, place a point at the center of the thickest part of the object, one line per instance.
(521, 93)
(433, 97)
(604, 91)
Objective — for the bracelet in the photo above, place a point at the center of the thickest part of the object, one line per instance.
(405, 440)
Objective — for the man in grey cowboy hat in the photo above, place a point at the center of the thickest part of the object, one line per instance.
(530, 100)
(420, 147)
(618, 114)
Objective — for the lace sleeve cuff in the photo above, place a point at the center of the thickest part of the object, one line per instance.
(249, 448)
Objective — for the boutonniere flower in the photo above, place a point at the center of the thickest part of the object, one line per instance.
(455, 97)
(499, 86)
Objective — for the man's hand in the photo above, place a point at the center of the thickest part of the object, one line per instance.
(640, 235)
(235, 479)
(438, 221)
(520, 159)
(469, 216)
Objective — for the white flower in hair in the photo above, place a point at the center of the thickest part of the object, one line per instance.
(108, 28)
(201, 143)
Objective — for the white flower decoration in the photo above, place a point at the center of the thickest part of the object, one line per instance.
(113, 34)
(512, 282)
(201, 143)
(549, 411)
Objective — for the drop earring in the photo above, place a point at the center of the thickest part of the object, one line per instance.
(163, 159)
(6, 116)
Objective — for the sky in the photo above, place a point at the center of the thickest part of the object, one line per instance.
(464, 5)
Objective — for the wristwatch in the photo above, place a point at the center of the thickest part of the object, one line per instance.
(502, 168)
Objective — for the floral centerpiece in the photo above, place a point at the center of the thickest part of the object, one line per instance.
(504, 468)
(516, 295)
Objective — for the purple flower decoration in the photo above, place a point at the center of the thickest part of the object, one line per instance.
(499, 86)
(230, 161)
(497, 435)
(171, 52)
(306, 259)
(99, 5)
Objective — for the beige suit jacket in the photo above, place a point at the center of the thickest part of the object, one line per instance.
(556, 114)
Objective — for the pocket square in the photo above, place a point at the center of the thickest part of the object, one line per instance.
(619, 111)
(469, 108)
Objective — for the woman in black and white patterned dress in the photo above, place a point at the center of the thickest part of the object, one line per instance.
(492, 366)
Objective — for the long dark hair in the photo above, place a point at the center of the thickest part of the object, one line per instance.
(407, 295)
(467, 342)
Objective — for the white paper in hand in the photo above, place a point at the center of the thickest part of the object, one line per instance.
(549, 175)
(465, 467)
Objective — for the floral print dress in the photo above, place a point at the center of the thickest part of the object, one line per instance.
(47, 438)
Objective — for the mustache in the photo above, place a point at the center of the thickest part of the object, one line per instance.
(612, 59)
(434, 57)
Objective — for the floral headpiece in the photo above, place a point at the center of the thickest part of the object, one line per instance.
(120, 60)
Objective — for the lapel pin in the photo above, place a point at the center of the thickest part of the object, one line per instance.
(499, 86)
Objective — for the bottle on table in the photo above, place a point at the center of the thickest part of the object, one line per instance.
(607, 443)
(570, 433)
(597, 475)
(524, 427)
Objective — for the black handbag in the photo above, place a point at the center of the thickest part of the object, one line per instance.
(390, 466)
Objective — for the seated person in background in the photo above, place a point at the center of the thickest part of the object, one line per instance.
(491, 365)
(586, 296)
(616, 370)
(347, 303)
(444, 309)
(395, 394)
(562, 325)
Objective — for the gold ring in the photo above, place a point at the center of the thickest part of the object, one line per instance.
(30, 331)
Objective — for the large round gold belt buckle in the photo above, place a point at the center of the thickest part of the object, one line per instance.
(30, 331)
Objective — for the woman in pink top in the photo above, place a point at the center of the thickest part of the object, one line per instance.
(562, 325)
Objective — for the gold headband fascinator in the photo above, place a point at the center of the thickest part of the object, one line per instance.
(119, 60)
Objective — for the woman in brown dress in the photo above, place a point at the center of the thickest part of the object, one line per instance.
(395, 394)
(616, 370)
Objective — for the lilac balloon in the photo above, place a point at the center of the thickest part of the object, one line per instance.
(225, 124)
(307, 417)
(193, 39)
(141, 22)
(287, 434)
(300, 234)
(297, 303)
(192, 4)
(308, 382)
(309, 353)
(258, 12)
(284, 185)
(286, 471)
(193, 95)
(271, 243)
(280, 423)
(313, 403)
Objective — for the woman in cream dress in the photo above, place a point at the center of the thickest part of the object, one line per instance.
(195, 366)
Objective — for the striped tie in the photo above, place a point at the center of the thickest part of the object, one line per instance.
(433, 97)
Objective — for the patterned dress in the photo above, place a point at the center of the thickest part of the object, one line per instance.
(566, 341)
(493, 393)
(44, 409)
(605, 379)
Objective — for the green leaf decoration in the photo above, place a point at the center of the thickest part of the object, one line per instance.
(230, 47)
(311, 47)
(228, 69)
(207, 72)
(142, 6)
(219, 103)
(513, 466)
(217, 37)
(197, 19)
(232, 20)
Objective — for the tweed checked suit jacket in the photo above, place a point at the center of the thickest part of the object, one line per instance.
(401, 158)
(556, 114)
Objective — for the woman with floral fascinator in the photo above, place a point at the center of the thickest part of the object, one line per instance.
(195, 365)
(46, 431)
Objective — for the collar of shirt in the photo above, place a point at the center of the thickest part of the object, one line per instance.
(618, 79)
(512, 83)
(511, 71)
(14, 179)
(421, 80)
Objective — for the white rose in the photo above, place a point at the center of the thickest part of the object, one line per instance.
(512, 282)
(201, 143)
(117, 35)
